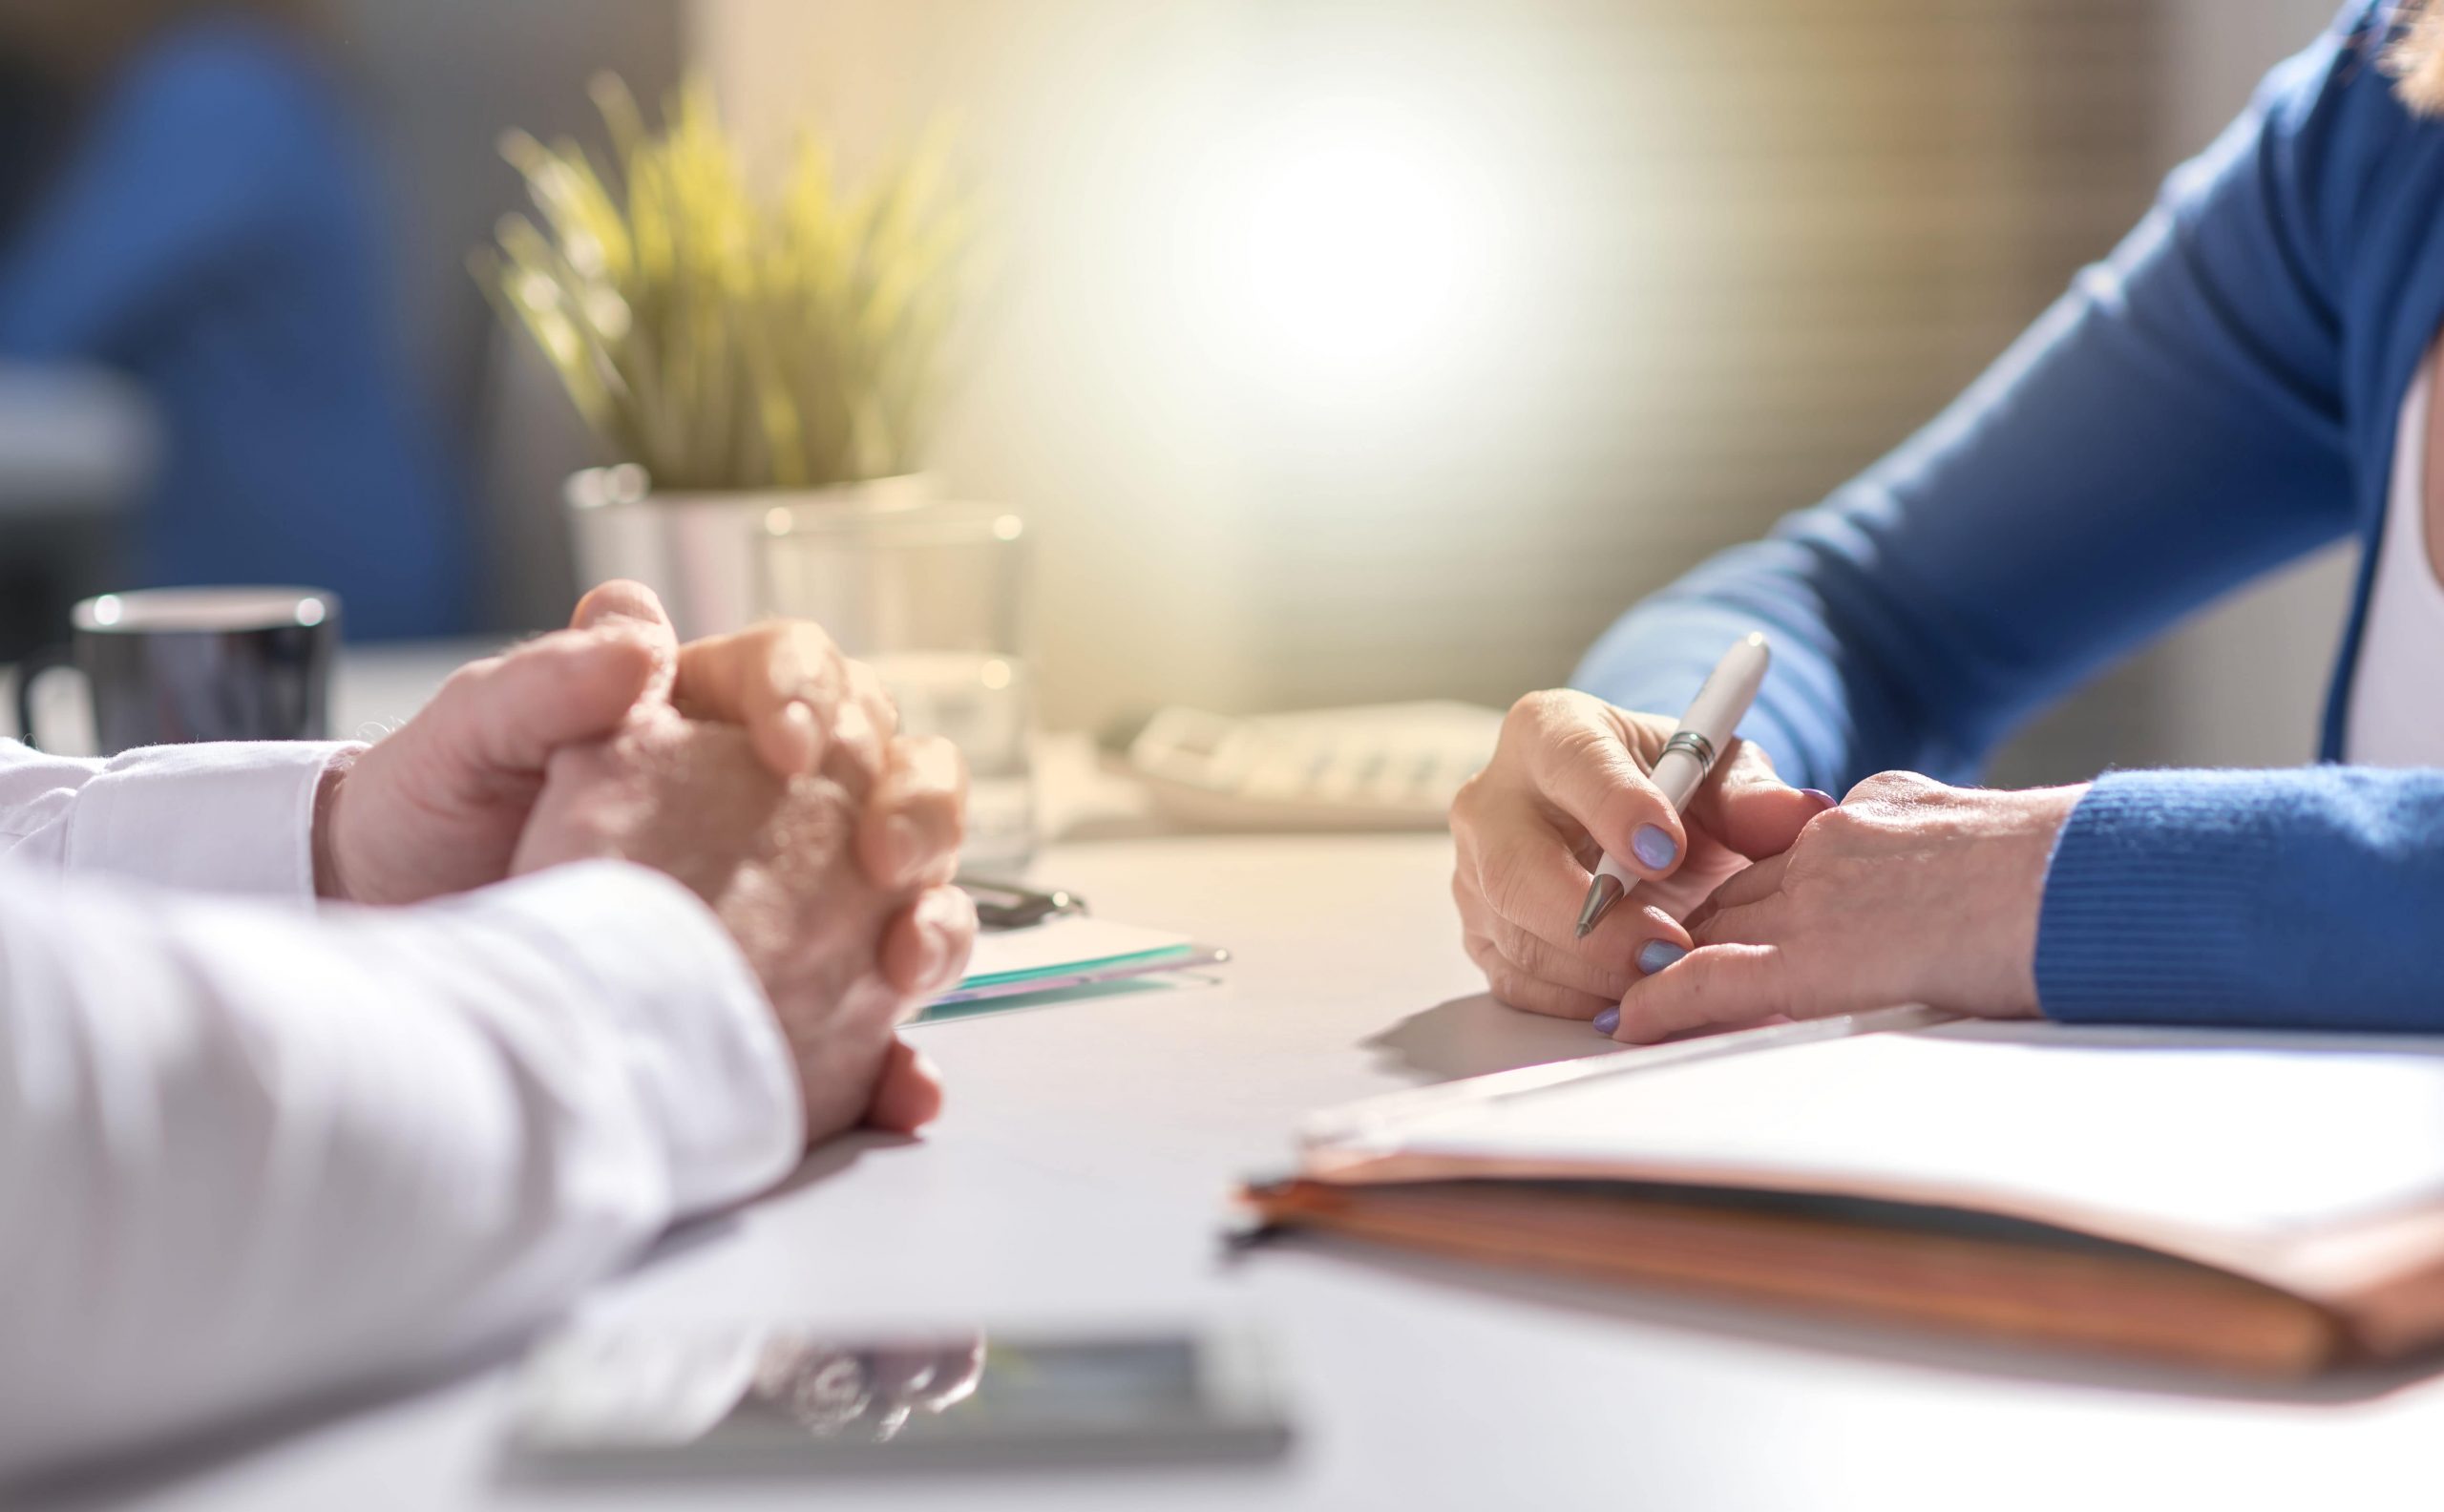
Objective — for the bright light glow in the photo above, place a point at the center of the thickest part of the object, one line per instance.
(1348, 251)
(106, 610)
(310, 612)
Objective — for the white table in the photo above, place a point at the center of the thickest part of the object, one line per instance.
(1079, 1177)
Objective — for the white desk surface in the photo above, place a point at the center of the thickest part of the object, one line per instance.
(1079, 1175)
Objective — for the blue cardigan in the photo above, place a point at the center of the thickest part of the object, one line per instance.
(2215, 399)
(213, 237)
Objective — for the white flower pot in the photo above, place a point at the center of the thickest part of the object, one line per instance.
(703, 553)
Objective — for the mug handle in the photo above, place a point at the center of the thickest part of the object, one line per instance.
(29, 671)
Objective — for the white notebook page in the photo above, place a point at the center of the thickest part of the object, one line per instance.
(2248, 1138)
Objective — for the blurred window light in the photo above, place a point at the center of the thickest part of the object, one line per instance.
(1345, 253)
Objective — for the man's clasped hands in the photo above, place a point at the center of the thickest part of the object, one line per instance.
(763, 770)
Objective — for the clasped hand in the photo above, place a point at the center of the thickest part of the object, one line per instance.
(1762, 903)
(763, 770)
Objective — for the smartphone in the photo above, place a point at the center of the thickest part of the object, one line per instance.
(634, 1398)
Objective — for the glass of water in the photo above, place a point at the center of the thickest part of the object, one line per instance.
(935, 600)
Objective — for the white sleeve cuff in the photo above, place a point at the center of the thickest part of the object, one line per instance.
(707, 1059)
(234, 817)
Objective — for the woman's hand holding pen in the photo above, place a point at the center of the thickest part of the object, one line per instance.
(1567, 783)
(1910, 892)
(1761, 902)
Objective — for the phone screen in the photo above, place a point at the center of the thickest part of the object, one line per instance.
(772, 1397)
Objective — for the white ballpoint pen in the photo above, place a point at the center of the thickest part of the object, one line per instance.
(1689, 755)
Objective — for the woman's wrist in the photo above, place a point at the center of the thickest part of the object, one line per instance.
(2035, 821)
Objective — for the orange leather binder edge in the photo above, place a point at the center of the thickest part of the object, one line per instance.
(2120, 1300)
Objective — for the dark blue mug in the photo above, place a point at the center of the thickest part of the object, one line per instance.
(168, 665)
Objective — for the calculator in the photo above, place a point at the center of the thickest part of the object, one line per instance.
(1377, 766)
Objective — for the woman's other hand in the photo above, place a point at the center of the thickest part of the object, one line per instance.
(1567, 785)
(1910, 893)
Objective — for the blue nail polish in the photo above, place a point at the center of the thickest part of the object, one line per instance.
(1607, 1021)
(1655, 954)
(1653, 845)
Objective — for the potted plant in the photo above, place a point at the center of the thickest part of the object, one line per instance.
(738, 355)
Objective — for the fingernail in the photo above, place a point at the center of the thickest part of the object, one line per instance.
(1655, 954)
(1607, 1021)
(1823, 799)
(941, 916)
(855, 730)
(934, 961)
(1654, 847)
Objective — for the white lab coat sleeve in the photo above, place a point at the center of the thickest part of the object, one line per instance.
(233, 817)
(247, 1154)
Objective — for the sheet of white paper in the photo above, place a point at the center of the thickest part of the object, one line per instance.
(2246, 1138)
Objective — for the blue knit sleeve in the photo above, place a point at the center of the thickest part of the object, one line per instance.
(2172, 427)
(2310, 897)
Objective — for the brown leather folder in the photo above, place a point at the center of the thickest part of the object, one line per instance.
(1652, 1169)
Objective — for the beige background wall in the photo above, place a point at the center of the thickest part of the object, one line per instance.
(1717, 289)
(1089, 409)
(2244, 684)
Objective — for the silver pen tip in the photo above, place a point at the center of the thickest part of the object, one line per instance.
(1601, 894)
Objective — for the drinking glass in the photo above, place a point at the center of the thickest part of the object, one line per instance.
(935, 600)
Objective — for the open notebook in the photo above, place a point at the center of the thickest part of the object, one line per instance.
(2260, 1207)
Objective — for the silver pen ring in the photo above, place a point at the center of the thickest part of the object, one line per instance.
(1696, 746)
